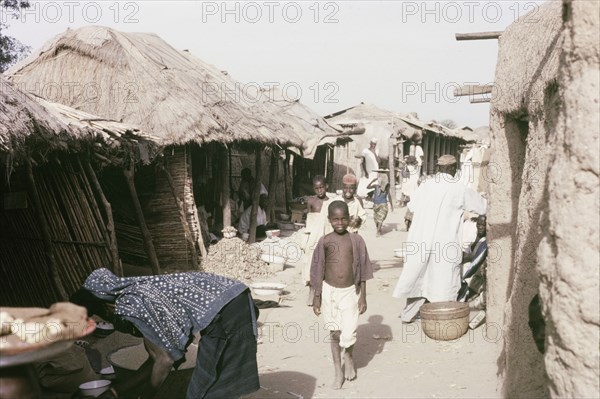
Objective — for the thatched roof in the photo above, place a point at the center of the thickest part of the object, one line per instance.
(480, 135)
(31, 126)
(144, 81)
(377, 123)
(310, 128)
(528, 59)
(381, 123)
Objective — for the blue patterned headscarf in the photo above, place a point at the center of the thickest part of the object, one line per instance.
(168, 308)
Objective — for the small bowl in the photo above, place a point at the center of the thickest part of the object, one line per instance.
(285, 217)
(285, 225)
(399, 253)
(104, 329)
(267, 288)
(107, 371)
(94, 388)
(298, 225)
(273, 233)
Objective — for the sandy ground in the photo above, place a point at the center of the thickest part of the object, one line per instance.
(393, 360)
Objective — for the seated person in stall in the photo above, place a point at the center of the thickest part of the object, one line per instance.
(220, 309)
(247, 188)
(315, 225)
(472, 288)
(261, 219)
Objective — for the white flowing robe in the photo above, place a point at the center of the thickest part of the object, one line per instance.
(433, 250)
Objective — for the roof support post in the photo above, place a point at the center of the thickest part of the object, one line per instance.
(288, 181)
(129, 173)
(255, 194)
(117, 268)
(226, 185)
(392, 167)
(273, 182)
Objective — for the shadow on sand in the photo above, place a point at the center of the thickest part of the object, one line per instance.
(285, 384)
(372, 338)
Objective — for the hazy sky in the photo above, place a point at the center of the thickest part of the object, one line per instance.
(399, 55)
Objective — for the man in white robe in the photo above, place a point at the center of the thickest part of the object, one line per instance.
(433, 252)
(261, 216)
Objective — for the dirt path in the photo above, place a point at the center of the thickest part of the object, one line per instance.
(393, 360)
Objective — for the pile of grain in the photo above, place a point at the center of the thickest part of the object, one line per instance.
(234, 258)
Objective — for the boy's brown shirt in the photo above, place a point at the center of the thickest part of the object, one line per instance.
(361, 264)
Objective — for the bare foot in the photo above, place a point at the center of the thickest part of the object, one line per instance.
(338, 380)
(349, 370)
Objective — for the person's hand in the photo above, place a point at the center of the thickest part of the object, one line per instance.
(317, 305)
(362, 304)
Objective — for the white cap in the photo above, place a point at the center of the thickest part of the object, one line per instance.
(373, 140)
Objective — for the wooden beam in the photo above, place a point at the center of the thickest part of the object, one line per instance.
(117, 268)
(226, 184)
(273, 180)
(287, 182)
(255, 194)
(471, 90)
(45, 230)
(480, 100)
(392, 168)
(128, 173)
(479, 35)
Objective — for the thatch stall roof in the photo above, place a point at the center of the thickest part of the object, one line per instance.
(313, 130)
(141, 79)
(31, 126)
(381, 124)
(479, 135)
(528, 60)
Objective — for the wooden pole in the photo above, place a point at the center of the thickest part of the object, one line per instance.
(273, 180)
(471, 90)
(330, 166)
(187, 232)
(480, 100)
(226, 184)
(48, 249)
(479, 35)
(110, 223)
(128, 173)
(392, 164)
(255, 195)
(288, 181)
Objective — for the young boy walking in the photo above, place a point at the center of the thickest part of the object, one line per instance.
(381, 197)
(316, 225)
(339, 271)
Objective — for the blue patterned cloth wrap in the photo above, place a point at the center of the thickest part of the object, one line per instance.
(168, 308)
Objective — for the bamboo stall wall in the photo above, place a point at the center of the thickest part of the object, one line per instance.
(344, 162)
(162, 213)
(76, 230)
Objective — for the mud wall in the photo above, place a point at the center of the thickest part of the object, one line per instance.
(569, 255)
(544, 194)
